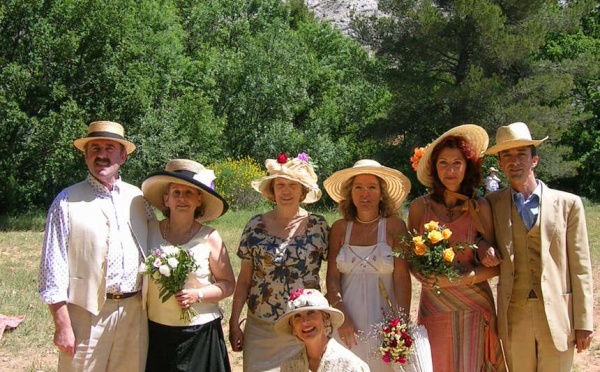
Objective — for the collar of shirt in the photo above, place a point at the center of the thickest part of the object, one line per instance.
(100, 190)
(534, 198)
(528, 208)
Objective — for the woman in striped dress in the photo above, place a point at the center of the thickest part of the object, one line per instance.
(460, 318)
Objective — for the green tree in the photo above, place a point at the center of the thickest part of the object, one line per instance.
(472, 61)
(581, 50)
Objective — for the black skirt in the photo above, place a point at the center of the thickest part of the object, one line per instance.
(195, 348)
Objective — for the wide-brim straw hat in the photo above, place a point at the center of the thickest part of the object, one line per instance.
(493, 169)
(398, 185)
(294, 170)
(306, 300)
(511, 136)
(107, 130)
(189, 173)
(475, 135)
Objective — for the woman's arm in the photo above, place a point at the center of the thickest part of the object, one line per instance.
(236, 336)
(222, 272)
(486, 253)
(348, 331)
(402, 278)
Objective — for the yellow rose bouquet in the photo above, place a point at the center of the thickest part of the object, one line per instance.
(431, 253)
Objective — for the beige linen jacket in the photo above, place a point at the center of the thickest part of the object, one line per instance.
(566, 273)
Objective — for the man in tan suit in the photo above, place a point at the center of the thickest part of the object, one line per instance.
(545, 296)
(96, 231)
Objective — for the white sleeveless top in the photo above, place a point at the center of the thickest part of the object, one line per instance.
(361, 268)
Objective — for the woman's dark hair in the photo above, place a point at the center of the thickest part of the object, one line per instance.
(472, 177)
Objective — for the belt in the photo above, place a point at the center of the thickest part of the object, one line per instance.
(120, 296)
(532, 294)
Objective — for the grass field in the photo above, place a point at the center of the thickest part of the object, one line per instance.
(29, 347)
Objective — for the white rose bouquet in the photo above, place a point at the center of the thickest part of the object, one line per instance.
(169, 268)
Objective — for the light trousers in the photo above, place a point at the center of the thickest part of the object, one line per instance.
(114, 340)
(530, 345)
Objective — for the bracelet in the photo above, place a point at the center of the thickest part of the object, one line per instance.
(200, 296)
(339, 300)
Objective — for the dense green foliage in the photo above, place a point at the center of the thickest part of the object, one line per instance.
(197, 79)
(489, 62)
(217, 79)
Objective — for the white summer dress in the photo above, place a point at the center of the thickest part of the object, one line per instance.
(361, 267)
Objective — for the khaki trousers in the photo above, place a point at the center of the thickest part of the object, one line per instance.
(114, 340)
(530, 345)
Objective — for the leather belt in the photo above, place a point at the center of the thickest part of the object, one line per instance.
(120, 296)
(532, 294)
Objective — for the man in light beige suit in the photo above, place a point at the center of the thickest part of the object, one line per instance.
(96, 232)
(545, 296)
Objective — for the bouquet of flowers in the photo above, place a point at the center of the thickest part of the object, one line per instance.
(396, 340)
(169, 268)
(431, 253)
(403, 346)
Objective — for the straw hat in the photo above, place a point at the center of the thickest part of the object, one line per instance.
(398, 185)
(511, 136)
(305, 300)
(108, 130)
(297, 169)
(493, 169)
(475, 135)
(189, 173)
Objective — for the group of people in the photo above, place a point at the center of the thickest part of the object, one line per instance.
(108, 317)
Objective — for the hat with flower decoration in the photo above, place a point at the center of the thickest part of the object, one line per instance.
(297, 169)
(189, 173)
(305, 300)
(106, 130)
(475, 135)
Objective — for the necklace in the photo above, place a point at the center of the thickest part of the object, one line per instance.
(450, 211)
(167, 230)
(368, 222)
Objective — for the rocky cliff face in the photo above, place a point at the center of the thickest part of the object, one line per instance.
(339, 11)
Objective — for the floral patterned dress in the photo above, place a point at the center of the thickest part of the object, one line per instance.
(279, 267)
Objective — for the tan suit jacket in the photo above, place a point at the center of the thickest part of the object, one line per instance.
(566, 273)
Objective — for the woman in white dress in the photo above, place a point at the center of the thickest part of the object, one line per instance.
(362, 275)
(309, 318)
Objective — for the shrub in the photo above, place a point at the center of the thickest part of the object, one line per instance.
(233, 181)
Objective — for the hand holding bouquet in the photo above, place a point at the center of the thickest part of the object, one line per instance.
(169, 268)
(431, 253)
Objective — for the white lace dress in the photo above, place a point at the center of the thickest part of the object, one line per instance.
(335, 359)
(361, 267)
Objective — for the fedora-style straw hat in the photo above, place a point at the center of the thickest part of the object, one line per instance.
(108, 130)
(297, 169)
(398, 185)
(511, 136)
(305, 300)
(475, 135)
(189, 173)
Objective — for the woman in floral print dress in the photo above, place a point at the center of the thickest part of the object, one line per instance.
(281, 251)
